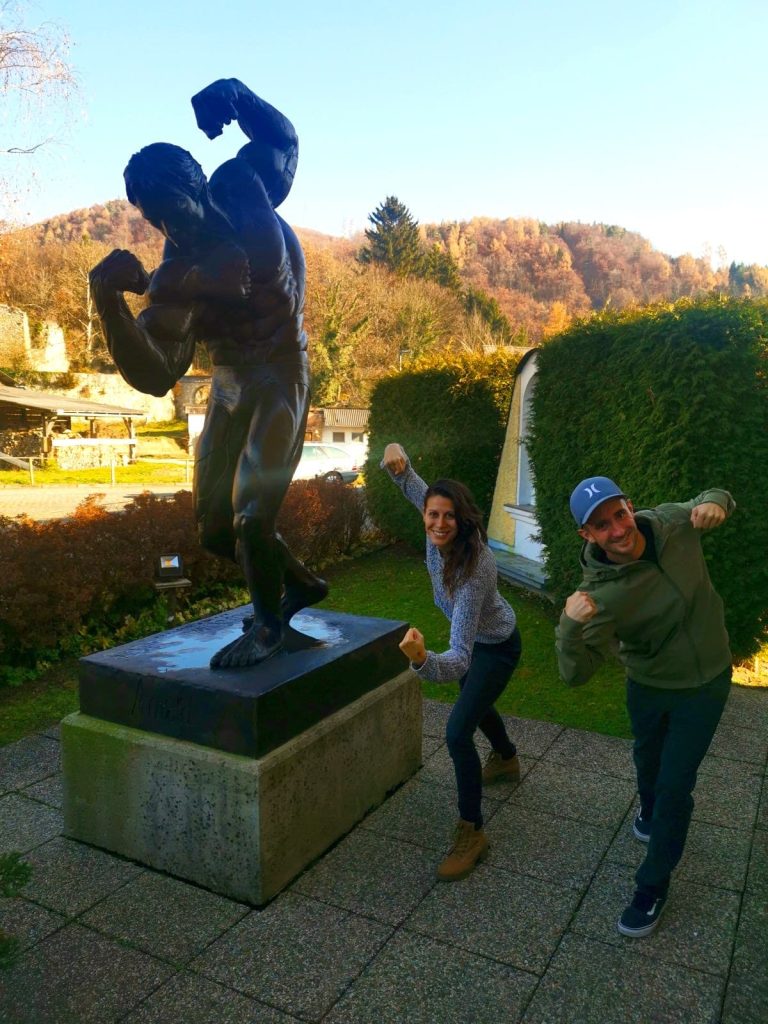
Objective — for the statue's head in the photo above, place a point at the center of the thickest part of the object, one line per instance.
(168, 185)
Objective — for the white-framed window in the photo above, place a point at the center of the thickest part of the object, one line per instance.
(339, 436)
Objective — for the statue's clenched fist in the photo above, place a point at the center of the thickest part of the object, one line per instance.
(216, 105)
(121, 271)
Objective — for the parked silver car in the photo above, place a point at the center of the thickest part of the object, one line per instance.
(326, 461)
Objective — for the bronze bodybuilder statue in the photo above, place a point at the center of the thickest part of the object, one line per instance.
(232, 277)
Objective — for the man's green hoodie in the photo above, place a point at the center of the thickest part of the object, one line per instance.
(663, 621)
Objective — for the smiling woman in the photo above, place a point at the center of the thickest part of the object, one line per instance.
(484, 647)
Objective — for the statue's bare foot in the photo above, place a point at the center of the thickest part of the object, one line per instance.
(255, 645)
(294, 599)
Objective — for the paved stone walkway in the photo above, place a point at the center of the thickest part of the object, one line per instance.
(55, 502)
(367, 934)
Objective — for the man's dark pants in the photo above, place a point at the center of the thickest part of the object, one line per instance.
(673, 730)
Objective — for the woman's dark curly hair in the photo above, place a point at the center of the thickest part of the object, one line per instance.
(462, 556)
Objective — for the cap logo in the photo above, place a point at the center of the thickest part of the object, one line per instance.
(592, 490)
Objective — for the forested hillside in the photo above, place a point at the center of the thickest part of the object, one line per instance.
(400, 291)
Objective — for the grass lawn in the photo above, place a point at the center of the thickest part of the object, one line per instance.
(393, 584)
(136, 473)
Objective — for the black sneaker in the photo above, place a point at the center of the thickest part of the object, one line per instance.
(641, 827)
(642, 915)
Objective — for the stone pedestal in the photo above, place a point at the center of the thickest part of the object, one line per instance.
(246, 815)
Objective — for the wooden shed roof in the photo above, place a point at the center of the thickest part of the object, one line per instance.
(59, 405)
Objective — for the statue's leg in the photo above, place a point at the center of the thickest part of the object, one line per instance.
(216, 455)
(302, 587)
(265, 467)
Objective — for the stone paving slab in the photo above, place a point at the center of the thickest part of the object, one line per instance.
(419, 981)
(746, 1000)
(723, 767)
(48, 791)
(757, 876)
(738, 743)
(590, 983)
(696, 930)
(368, 934)
(25, 824)
(501, 915)
(27, 761)
(164, 916)
(553, 849)
(713, 855)
(77, 977)
(371, 875)
(730, 799)
(423, 815)
(590, 751)
(297, 955)
(27, 922)
(532, 738)
(762, 814)
(435, 718)
(747, 707)
(70, 877)
(191, 999)
(438, 768)
(429, 744)
(568, 792)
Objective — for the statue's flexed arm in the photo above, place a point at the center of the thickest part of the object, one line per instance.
(153, 350)
(227, 100)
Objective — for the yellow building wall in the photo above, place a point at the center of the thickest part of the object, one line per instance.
(501, 526)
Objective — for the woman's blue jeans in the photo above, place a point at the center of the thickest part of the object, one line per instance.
(481, 686)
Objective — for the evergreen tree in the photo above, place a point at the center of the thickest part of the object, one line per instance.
(393, 240)
(486, 307)
(439, 266)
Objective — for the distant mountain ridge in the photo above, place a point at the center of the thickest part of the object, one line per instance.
(540, 275)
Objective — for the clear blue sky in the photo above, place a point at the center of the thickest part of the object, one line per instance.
(646, 115)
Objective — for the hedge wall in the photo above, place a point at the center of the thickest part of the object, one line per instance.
(450, 415)
(668, 401)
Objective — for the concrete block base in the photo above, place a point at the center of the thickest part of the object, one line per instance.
(240, 826)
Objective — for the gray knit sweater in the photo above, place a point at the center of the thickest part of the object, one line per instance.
(477, 612)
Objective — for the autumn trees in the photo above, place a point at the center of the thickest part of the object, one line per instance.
(377, 302)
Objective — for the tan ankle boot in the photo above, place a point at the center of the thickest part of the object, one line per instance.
(470, 847)
(497, 768)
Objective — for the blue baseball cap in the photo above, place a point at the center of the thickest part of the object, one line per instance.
(590, 493)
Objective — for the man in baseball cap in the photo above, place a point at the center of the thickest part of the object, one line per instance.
(646, 596)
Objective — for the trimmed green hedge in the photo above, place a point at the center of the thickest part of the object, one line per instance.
(668, 401)
(450, 415)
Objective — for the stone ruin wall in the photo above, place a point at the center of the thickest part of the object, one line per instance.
(21, 443)
(111, 389)
(87, 456)
(15, 341)
(46, 352)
